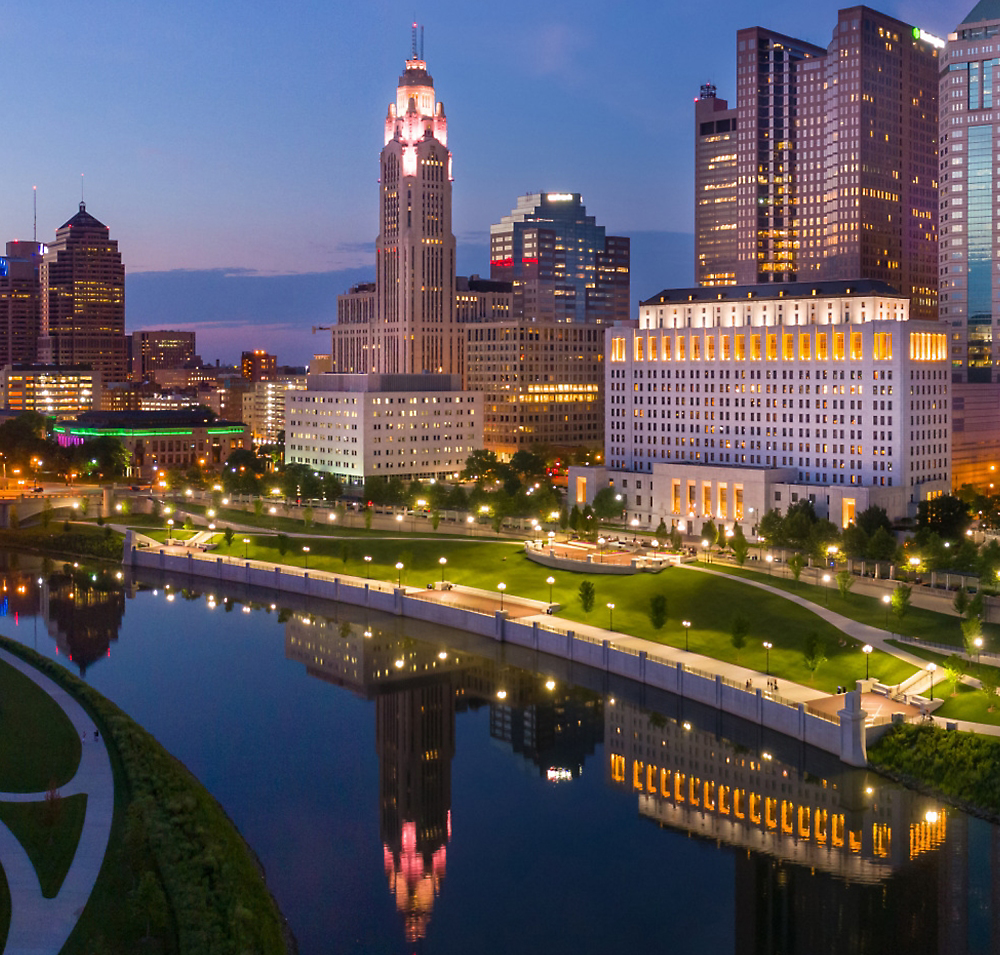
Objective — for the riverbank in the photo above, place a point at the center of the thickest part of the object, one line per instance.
(962, 768)
(186, 877)
(80, 541)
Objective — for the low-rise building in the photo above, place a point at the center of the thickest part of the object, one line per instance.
(727, 403)
(406, 426)
(264, 407)
(159, 440)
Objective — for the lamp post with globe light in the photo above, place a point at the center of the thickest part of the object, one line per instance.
(886, 599)
(611, 616)
(399, 573)
(368, 566)
(931, 667)
(767, 657)
(501, 587)
(826, 581)
(442, 561)
(550, 581)
(867, 651)
(686, 624)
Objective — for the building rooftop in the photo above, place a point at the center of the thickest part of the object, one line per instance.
(142, 420)
(984, 10)
(84, 220)
(776, 290)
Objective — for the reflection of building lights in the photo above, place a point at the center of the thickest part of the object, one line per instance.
(558, 775)
(931, 816)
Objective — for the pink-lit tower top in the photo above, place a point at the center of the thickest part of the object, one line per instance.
(415, 327)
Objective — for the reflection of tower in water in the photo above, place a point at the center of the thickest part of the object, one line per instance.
(415, 740)
(82, 616)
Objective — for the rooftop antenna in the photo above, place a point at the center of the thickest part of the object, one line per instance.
(413, 40)
(81, 191)
(34, 202)
(421, 41)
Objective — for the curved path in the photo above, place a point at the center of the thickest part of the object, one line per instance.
(40, 926)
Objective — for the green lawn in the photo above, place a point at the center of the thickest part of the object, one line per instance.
(38, 746)
(49, 834)
(920, 623)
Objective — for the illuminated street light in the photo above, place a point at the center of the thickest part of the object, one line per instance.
(886, 599)
(368, 566)
(611, 616)
(708, 553)
(246, 541)
(867, 651)
(826, 580)
(770, 560)
(501, 588)
(550, 581)
(442, 561)
(399, 573)
(767, 657)
(686, 624)
(305, 550)
(931, 667)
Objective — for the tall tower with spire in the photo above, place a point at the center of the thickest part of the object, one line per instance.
(415, 327)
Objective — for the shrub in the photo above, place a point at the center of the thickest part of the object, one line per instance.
(587, 595)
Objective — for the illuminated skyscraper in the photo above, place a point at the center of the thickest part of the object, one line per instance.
(20, 302)
(836, 160)
(83, 298)
(715, 189)
(415, 249)
(970, 155)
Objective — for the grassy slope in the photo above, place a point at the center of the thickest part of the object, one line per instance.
(49, 835)
(38, 745)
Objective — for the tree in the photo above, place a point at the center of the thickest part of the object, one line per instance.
(795, 564)
(563, 519)
(368, 518)
(435, 518)
(605, 504)
(772, 528)
(480, 464)
(845, 581)
(946, 515)
(307, 517)
(661, 531)
(814, 654)
(954, 669)
(587, 595)
(797, 527)
(882, 545)
(740, 630)
(658, 611)
(574, 518)
(871, 519)
(854, 541)
(258, 506)
(676, 541)
(972, 630)
(151, 904)
(228, 534)
(900, 601)
(961, 601)
(527, 464)
(740, 546)
(282, 544)
(710, 533)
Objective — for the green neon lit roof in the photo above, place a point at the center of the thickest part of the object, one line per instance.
(141, 432)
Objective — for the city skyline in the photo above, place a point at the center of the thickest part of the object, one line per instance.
(213, 176)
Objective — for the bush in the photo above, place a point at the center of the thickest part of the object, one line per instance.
(587, 594)
(658, 611)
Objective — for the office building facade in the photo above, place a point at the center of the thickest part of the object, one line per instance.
(20, 302)
(836, 160)
(83, 298)
(166, 348)
(725, 404)
(715, 176)
(51, 390)
(407, 426)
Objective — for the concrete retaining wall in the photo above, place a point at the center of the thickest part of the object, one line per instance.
(756, 706)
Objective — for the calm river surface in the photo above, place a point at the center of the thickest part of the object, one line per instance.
(410, 789)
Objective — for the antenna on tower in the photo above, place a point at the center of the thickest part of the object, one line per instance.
(413, 41)
(81, 188)
(34, 202)
(421, 41)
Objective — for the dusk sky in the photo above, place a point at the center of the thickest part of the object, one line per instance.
(232, 148)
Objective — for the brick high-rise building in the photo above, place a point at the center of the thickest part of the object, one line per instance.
(836, 160)
(20, 302)
(83, 298)
(258, 365)
(164, 348)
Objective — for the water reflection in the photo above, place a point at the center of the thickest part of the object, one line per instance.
(418, 687)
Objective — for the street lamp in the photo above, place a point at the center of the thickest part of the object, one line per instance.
(442, 561)
(399, 573)
(767, 657)
(686, 624)
(770, 560)
(978, 644)
(867, 651)
(246, 541)
(886, 599)
(501, 588)
(708, 553)
(931, 667)
(826, 580)
(600, 549)
(368, 566)
(305, 550)
(611, 616)
(550, 581)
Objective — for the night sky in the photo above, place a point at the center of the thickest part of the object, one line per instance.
(232, 148)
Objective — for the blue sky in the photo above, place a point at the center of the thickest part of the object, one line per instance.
(234, 143)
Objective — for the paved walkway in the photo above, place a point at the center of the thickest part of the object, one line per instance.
(40, 926)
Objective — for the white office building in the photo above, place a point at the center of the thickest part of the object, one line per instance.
(724, 403)
(407, 426)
